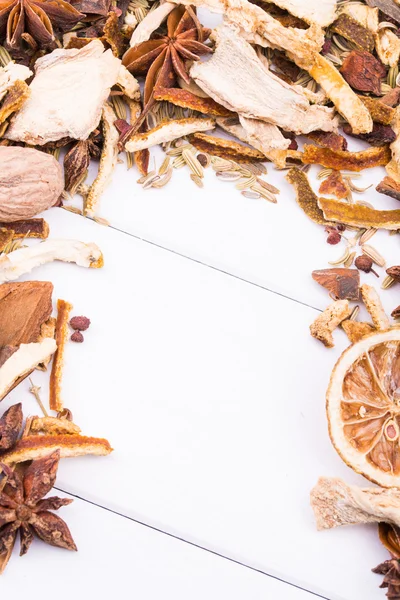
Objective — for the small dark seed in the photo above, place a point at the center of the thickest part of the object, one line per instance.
(77, 337)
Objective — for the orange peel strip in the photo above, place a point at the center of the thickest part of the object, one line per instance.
(350, 161)
(186, 99)
(53, 426)
(33, 447)
(16, 96)
(305, 197)
(380, 112)
(335, 185)
(64, 308)
(225, 148)
(356, 330)
(358, 215)
(6, 236)
(29, 228)
(328, 139)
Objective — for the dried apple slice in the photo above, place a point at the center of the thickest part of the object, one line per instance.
(363, 407)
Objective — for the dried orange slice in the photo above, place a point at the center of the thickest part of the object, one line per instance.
(363, 407)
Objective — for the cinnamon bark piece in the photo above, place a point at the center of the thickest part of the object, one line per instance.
(28, 228)
(329, 320)
(6, 237)
(33, 447)
(335, 185)
(186, 99)
(358, 215)
(225, 148)
(335, 503)
(374, 306)
(342, 284)
(64, 308)
(24, 307)
(331, 140)
(389, 187)
(350, 161)
(356, 330)
(380, 111)
(235, 77)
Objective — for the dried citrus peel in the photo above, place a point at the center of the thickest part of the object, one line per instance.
(305, 197)
(358, 215)
(17, 94)
(335, 185)
(64, 308)
(225, 148)
(28, 228)
(380, 112)
(186, 99)
(52, 426)
(356, 330)
(351, 161)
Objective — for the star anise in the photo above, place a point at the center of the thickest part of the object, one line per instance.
(23, 509)
(28, 24)
(163, 56)
(10, 426)
(391, 571)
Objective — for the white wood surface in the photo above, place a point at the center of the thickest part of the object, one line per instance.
(212, 393)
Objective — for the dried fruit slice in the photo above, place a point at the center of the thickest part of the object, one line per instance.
(363, 407)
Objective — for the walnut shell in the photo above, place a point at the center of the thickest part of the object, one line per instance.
(30, 182)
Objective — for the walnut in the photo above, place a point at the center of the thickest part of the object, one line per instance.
(30, 182)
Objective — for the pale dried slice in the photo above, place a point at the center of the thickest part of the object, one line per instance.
(108, 161)
(22, 362)
(28, 228)
(23, 260)
(67, 95)
(374, 306)
(387, 46)
(341, 159)
(358, 215)
(336, 503)
(356, 330)
(33, 447)
(261, 28)
(263, 136)
(329, 320)
(167, 132)
(186, 99)
(150, 23)
(225, 148)
(366, 15)
(235, 77)
(321, 12)
(53, 426)
(338, 90)
(393, 167)
(363, 407)
(128, 84)
(63, 311)
(10, 74)
(305, 196)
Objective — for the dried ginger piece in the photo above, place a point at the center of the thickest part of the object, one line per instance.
(262, 136)
(150, 23)
(28, 228)
(356, 330)
(63, 311)
(6, 237)
(352, 30)
(347, 103)
(225, 148)
(16, 96)
(335, 185)
(33, 447)
(53, 426)
(387, 46)
(389, 187)
(108, 161)
(374, 306)
(305, 196)
(168, 131)
(358, 215)
(335, 503)
(329, 320)
(351, 161)
(186, 99)
(380, 112)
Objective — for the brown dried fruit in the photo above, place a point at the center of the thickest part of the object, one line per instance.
(112, 34)
(379, 136)
(286, 66)
(342, 284)
(389, 535)
(76, 164)
(334, 238)
(10, 426)
(350, 161)
(364, 263)
(28, 228)
(396, 313)
(305, 197)
(363, 72)
(389, 187)
(186, 99)
(80, 323)
(326, 139)
(392, 98)
(63, 310)
(335, 185)
(225, 148)
(77, 337)
(353, 31)
(30, 182)
(358, 215)
(380, 112)
(394, 272)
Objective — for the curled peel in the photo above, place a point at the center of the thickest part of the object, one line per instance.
(358, 215)
(225, 148)
(351, 161)
(186, 99)
(64, 308)
(305, 196)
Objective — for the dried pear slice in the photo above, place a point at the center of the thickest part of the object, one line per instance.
(358, 215)
(351, 161)
(363, 407)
